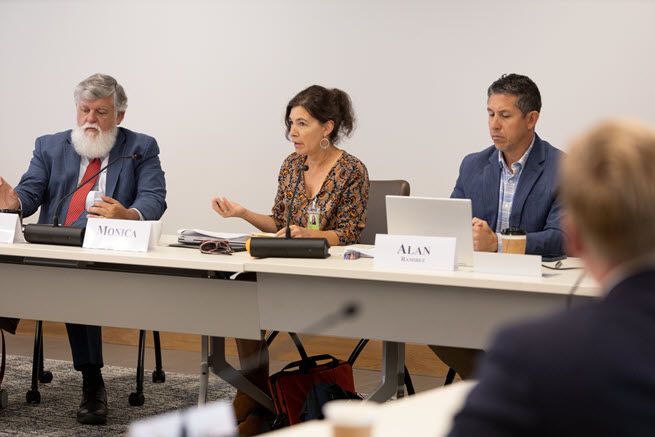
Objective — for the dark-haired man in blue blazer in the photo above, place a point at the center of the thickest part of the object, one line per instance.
(133, 190)
(510, 184)
(513, 183)
(589, 371)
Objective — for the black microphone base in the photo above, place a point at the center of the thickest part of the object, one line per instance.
(289, 247)
(48, 234)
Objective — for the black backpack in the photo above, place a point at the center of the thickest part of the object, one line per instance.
(318, 396)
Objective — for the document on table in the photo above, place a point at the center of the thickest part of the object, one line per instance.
(196, 236)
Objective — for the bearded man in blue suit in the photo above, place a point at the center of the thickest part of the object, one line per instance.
(511, 184)
(133, 190)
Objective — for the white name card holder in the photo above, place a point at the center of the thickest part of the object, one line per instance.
(414, 252)
(10, 230)
(507, 264)
(155, 234)
(127, 235)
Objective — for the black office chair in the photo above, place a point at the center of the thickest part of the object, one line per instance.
(136, 398)
(376, 218)
(376, 223)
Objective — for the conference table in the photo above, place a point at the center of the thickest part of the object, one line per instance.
(181, 290)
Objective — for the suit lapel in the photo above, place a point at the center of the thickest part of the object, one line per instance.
(490, 186)
(71, 170)
(71, 167)
(534, 166)
(115, 170)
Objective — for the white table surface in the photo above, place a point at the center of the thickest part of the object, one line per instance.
(160, 256)
(551, 281)
(427, 414)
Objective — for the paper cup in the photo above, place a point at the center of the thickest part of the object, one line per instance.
(514, 244)
(351, 418)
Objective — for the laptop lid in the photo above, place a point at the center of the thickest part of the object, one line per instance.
(434, 217)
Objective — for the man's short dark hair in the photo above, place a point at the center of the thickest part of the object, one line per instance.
(529, 98)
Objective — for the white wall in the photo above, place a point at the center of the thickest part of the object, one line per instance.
(210, 80)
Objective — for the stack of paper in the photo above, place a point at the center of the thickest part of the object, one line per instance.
(197, 236)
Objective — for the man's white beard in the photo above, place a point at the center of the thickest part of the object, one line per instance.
(97, 146)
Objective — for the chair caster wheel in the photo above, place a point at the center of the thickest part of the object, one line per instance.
(46, 377)
(4, 399)
(136, 399)
(158, 376)
(33, 397)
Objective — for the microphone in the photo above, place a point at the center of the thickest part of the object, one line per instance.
(302, 168)
(288, 247)
(66, 235)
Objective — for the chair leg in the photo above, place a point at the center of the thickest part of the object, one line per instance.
(136, 398)
(4, 395)
(33, 396)
(408, 383)
(450, 377)
(45, 376)
(357, 350)
(158, 375)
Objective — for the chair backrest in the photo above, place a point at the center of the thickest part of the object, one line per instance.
(376, 217)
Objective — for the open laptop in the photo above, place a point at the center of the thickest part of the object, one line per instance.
(434, 217)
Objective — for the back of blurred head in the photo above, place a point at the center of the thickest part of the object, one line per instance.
(608, 191)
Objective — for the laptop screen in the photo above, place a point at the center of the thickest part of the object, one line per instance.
(434, 217)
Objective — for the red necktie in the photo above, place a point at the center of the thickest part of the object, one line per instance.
(79, 198)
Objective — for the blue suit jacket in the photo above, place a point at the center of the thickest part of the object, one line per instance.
(54, 172)
(535, 208)
(587, 372)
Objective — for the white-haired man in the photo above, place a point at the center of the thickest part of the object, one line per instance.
(133, 190)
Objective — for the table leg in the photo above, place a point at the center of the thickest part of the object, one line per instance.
(221, 368)
(204, 369)
(393, 372)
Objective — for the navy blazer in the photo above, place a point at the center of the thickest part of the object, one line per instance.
(535, 209)
(54, 172)
(589, 371)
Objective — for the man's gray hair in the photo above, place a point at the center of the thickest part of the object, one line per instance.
(100, 86)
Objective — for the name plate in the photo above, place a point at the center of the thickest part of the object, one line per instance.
(10, 230)
(414, 252)
(507, 264)
(127, 235)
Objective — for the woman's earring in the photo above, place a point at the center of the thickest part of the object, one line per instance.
(325, 143)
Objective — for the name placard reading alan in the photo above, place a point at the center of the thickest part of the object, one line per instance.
(414, 252)
(128, 235)
(10, 231)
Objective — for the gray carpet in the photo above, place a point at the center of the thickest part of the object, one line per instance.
(55, 415)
